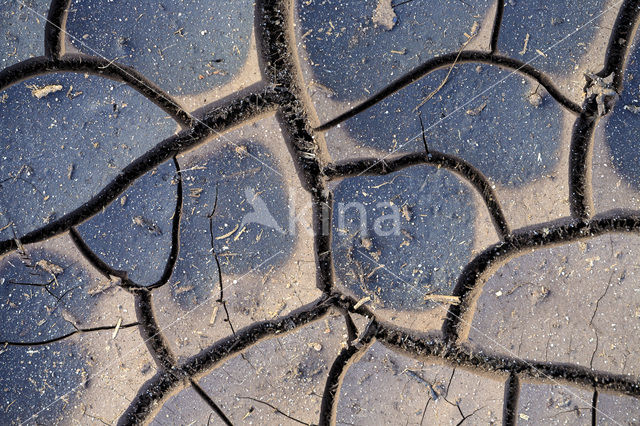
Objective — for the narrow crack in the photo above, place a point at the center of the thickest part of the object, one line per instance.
(352, 330)
(81, 63)
(44, 286)
(277, 410)
(464, 418)
(214, 253)
(593, 317)
(76, 331)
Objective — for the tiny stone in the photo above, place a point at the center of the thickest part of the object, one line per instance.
(535, 99)
(315, 346)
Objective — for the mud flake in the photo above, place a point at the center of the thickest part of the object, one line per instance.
(195, 192)
(406, 213)
(42, 91)
(366, 243)
(539, 294)
(384, 15)
(535, 99)
(49, 267)
(603, 90)
(633, 108)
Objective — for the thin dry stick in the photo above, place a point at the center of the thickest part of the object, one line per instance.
(446, 77)
(443, 298)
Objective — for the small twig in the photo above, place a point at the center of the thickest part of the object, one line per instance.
(115, 330)
(6, 226)
(446, 77)
(443, 298)
(361, 302)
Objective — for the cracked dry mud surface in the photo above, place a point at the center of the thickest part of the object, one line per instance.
(141, 280)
